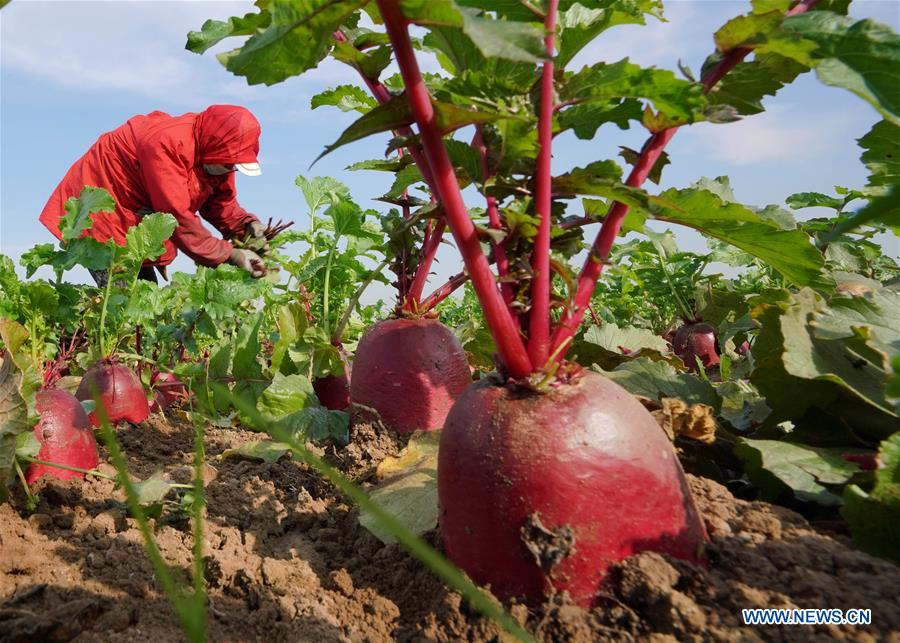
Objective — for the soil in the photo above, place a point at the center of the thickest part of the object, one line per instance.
(288, 561)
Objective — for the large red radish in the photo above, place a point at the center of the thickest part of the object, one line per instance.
(65, 435)
(547, 490)
(119, 390)
(410, 371)
(696, 340)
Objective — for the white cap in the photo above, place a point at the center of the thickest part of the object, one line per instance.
(248, 169)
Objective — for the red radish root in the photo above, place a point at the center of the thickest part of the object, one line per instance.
(410, 371)
(696, 341)
(168, 389)
(119, 391)
(548, 490)
(333, 391)
(65, 436)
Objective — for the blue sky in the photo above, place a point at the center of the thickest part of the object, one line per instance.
(70, 70)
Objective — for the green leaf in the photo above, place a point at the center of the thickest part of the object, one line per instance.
(261, 450)
(581, 22)
(153, 490)
(861, 56)
(809, 473)
(608, 345)
(586, 118)
(144, 241)
(813, 200)
(874, 517)
(507, 39)
(790, 252)
(680, 101)
(631, 157)
(79, 210)
(826, 383)
(214, 31)
(246, 363)
(320, 191)
(881, 154)
(297, 38)
(318, 424)
(285, 395)
(347, 98)
(388, 116)
(407, 488)
(13, 419)
(745, 86)
(369, 63)
(656, 380)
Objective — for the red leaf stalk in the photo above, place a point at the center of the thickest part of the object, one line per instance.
(382, 95)
(539, 317)
(509, 345)
(494, 219)
(429, 250)
(440, 294)
(650, 153)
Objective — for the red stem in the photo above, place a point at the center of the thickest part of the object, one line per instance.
(429, 250)
(494, 220)
(443, 292)
(539, 317)
(509, 345)
(599, 252)
(382, 95)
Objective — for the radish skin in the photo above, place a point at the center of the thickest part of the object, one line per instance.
(410, 371)
(119, 391)
(65, 435)
(579, 477)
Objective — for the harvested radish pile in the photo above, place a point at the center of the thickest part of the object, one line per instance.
(288, 560)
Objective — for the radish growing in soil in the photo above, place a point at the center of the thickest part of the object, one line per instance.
(65, 436)
(118, 389)
(516, 510)
(410, 371)
(695, 341)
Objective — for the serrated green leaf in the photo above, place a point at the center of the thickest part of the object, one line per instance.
(347, 98)
(745, 86)
(813, 200)
(79, 210)
(881, 154)
(581, 22)
(586, 118)
(321, 190)
(214, 31)
(297, 38)
(246, 363)
(318, 424)
(144, 242)
(680, 101)
(862, 56)
(285, 395)
(391, 115)
(507, 39)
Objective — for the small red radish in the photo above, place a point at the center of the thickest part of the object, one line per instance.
(119, 390)
(169, 389)
(65, 435)
(696, 340)
(333, 391)
(410, 371)
(539, 490)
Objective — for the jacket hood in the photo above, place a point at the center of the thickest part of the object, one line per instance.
(227, 134)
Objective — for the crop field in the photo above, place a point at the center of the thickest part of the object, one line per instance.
(589, 432)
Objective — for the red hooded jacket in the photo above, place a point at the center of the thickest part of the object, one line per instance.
(154, 163)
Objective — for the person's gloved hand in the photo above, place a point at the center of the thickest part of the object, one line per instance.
(249, 261)
(255, 237)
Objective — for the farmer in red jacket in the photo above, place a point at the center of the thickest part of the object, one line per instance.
(177, 164)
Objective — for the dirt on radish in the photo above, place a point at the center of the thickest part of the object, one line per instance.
(287, 560)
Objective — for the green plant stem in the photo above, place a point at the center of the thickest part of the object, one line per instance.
(446, 570)
(198, 507)
(32, 499)
(327, 287)
(175, 595)
(106, 293)
(354, 300)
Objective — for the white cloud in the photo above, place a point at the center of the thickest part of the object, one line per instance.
(775, 135)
